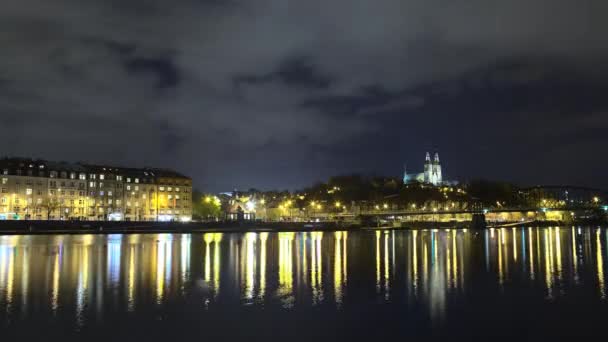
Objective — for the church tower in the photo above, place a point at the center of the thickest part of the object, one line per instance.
(406, 178)
(428, 169)
(437, 176)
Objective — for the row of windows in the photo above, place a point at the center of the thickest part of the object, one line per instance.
(82, 176)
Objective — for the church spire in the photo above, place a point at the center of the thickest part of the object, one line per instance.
(437, 157)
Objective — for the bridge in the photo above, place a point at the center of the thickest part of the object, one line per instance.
(388, 212)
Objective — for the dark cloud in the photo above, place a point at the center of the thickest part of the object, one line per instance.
(279, 93)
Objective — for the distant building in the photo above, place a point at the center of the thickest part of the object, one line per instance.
(45, 190)
(432, 173)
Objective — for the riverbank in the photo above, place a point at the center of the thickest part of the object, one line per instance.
(114, 227)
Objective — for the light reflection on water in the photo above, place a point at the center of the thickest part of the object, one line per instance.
(87, 277)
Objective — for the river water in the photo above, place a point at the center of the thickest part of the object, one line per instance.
(406, 284)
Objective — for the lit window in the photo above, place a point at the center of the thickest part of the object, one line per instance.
(82, 176)
(72, 175)
(109, 193)
(136, 180)
(101, 193)
(128, 187)
(162, 188)
(39, 201)
(170, 196)
(91, 184)
(128, 180)
(169, 189)
(4, 180)
(176, 189)
(102, 177)
(118, 202)
(92, 176)
(176, 196)
(110, 201)
(119, 178)
(137, 188)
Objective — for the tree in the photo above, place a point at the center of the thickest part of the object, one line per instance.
(205, 206)
(50, 204)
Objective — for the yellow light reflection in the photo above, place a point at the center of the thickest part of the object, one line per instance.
(250, 239)
(263, 239)
(558, 253)
(217, 239)
(10, 279)
(514, 245)
(316, 267)
(338, 268)
(286, 269)
(83, 282)
(378, 282)
(574, 256)
(531, 253)
(501, 276)
(600, 265)
(415, 261)
(548, 273)
(208, 238)
(55, 287)
(386, 269)
(160, 271)
(455, 260)
(131, 285)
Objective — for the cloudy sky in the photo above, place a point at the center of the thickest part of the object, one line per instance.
(280, 93)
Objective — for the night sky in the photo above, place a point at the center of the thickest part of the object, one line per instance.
(282, 93)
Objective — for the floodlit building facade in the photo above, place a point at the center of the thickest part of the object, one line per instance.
(44, 190)
(432, 173)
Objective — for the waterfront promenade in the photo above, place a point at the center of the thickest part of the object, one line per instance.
(111, 227)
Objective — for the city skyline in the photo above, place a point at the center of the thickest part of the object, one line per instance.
(237, 96)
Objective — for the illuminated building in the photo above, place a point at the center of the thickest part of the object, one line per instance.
(45, 190)
(432, 173)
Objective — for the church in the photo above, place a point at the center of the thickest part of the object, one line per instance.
(432, 173)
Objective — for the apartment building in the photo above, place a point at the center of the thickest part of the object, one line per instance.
(45, 190)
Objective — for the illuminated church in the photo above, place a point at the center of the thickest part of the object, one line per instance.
(432, 172)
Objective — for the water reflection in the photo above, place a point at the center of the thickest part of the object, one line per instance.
(93, 275)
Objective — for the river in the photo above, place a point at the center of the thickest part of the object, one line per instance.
(519, 282)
